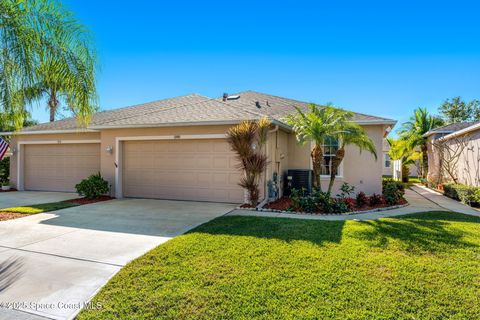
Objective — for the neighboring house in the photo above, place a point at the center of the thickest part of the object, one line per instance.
(176, 149)
(454, 152)
(388, 163)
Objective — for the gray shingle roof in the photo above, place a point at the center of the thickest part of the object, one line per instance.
(190, 109)
(453, 127)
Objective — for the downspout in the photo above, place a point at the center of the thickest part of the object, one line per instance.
(265, 184)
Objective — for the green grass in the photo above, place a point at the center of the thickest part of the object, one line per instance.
(40, 208)
(421, 266)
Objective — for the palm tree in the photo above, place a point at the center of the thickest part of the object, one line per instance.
(44, 52)
(413, 132)
(400, 150)
(316, 124)
(349, 133)
(247, 140)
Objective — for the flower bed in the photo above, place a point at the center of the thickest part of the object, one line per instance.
(11, 190)
(81, 201)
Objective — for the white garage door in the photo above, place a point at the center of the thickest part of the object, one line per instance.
(200, 170)
(59, 167)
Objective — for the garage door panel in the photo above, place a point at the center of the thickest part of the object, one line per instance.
(59, 167)
(202, 170)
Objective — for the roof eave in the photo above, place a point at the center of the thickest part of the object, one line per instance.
(461, 132)
(19, 133)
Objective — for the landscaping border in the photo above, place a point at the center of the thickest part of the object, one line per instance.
(324, 214)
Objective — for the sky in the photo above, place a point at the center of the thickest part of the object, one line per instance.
(384, 58)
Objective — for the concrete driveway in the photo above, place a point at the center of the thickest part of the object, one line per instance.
(52, 263)
(25, 198)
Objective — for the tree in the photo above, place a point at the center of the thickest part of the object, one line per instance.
(319, 124)
(449, 152)
(413, 132)
(456, 110)
(43, 47)
(315, 124)
(247, 140)
(400, 150)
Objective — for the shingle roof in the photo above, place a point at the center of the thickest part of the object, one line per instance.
(191, 109)
(452, 127)
(278, 107)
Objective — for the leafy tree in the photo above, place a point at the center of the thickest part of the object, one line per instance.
(456, 110)
(413, 132)
(400, 150)
(319, 124)
(45, 52)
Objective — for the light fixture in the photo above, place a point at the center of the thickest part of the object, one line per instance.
(109, 149)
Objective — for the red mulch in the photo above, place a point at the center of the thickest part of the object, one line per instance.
(246, 205)
(5, 215)
(81, 201)
(285, 203)
(11, 190)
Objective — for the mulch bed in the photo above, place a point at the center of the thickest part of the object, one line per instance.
(285, 203)
(4, 216)
(81, 201)
(11, 190)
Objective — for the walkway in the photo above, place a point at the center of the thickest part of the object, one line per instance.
(420, 198)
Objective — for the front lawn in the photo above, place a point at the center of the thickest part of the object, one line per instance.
(23, 211)
(421, 266)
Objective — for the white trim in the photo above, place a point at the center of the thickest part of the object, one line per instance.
(119, 152)
(20, 150)
(20, 133)
(460, 132)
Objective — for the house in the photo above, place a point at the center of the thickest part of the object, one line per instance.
(454, 153)
(176, 149)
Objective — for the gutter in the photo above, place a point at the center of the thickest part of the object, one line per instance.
(461, 132)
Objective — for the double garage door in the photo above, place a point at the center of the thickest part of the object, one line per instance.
(199, 170)
(59, 167)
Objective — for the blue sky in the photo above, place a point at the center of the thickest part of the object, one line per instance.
(379, 57)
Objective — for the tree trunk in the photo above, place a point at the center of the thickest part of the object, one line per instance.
(317, 159)
(424, 161)
(336, 161)
(53, 104)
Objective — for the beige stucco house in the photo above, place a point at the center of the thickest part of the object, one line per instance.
(454, 153)
(176, 149)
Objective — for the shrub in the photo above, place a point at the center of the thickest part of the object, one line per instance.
(324, 201)
(302, 201)
(375, 200)
(362, 199)
(346, 191)
(393, 191)
(93, 187)
(339, 206)
(467, 194)
(351, 203)
(450, 191)
(5, 169)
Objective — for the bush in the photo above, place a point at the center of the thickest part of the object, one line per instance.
(339, 206)
(351, 203)
(317, 201)
(362, 199)
(393, 191)
(467, 194)
(93, 187)
(346, 190)
(5, 169)
(375, 200)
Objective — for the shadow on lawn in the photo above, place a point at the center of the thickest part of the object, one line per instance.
(431, 232)
(284, 229)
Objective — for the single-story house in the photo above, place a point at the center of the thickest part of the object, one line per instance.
(454, 153)
(176, 149)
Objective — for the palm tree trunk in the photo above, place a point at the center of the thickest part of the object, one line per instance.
(424, 161)
(317, 159)
(336, 161)
(53, 104)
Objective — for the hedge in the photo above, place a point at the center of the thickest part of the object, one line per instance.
(467, 194)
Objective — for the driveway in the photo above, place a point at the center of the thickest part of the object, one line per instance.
(52, 263)
(25, 198)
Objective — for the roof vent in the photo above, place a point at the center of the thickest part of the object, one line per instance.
(235, 97)
(225, 96)
(257, 104)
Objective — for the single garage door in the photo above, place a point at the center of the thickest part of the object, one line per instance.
(199, 170)
(59, 167)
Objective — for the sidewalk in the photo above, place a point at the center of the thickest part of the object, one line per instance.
(421, 199)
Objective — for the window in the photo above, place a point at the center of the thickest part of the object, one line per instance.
(387, 161)
(329, 147)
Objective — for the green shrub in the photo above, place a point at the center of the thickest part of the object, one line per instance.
(393, 191)
(5, 169)
(467, 194)
(346, 190)
(93, 187)
(340, 206)
(317, 201)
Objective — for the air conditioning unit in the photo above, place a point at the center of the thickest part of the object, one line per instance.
(298, 179)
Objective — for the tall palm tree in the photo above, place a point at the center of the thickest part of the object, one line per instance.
(45, 52)
(349, 133)
(413, 132)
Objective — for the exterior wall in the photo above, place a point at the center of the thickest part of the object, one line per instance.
(358, 169)
(469, 161)
(433, 155)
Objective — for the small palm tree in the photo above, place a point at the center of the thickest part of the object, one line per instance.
(247, 140)
(400, 150)
(413, 132)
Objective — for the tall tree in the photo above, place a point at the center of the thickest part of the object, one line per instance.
(45, 52)
(413, 132)
(456, 110)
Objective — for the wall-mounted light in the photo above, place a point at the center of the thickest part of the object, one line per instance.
(109, 149)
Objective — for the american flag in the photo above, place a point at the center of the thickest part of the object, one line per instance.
(3, 148)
